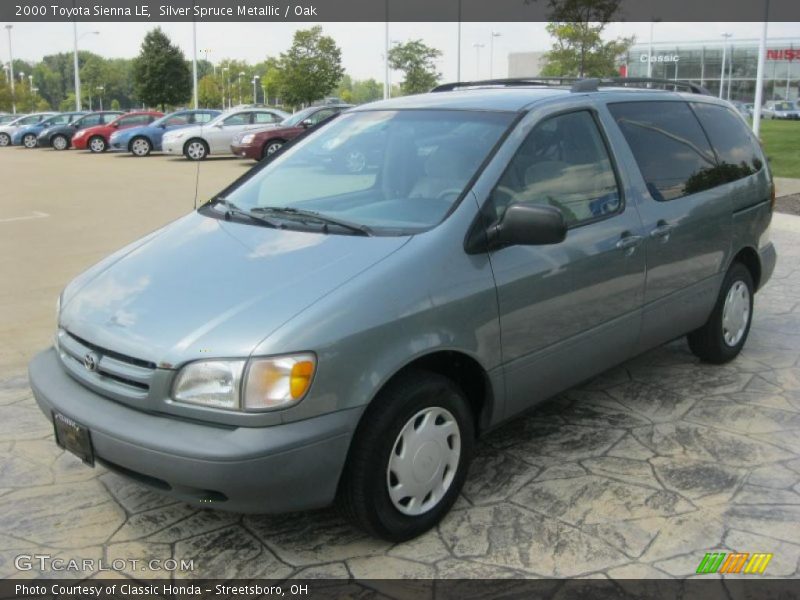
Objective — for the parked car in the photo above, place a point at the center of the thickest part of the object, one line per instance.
(261, 143)
(7, 130)
(141, 141)
(96, 138)
(6, 118)
(200, 141)
(26, 136)
(781, 109)
(311, 336)
(59, 137)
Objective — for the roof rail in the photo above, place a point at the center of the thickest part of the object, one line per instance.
(577, 84)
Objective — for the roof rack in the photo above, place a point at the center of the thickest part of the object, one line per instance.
(577, 84)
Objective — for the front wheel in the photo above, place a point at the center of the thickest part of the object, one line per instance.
(97, 144)
(60, 142)
(195, 150)
(141, 146)
(271, 148)
(409, 457)
(29, 140)
(723, 336)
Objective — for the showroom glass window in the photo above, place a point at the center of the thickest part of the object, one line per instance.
(669, 145)
(564, 163)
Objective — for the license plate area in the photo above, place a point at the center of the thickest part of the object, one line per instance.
(73, 437)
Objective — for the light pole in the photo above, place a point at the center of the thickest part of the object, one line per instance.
(650, 51)
(75, 38)
(494, 34)
(101, 89)
(762, 51)
(226, 84)
(389, 72)
(208, 51)
(458, 43)
(11, 67)
(386, 90)
(241, 74)
(194, 64)
(255, 93)
(478, 46)
(727, 36)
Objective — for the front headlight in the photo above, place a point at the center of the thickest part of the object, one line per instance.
(247, 138)
(259, 384)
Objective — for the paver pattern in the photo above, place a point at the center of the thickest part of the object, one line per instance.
(635, 474)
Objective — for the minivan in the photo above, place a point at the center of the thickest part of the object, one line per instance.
(313, 335)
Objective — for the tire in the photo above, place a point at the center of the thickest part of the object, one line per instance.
(195, 149)
(271, 147)
(5, 139)
(60, 142)
(140, 146)
(29, 140)
(431, 414)
(97, 144)
(723, 336)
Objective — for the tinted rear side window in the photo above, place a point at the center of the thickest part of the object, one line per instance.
(737, 151)
(669, 145)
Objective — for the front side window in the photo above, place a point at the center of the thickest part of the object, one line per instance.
(202, 117)
(89, 121)
(737, 151)
(563, 163)
(396, 172)
(669, 146)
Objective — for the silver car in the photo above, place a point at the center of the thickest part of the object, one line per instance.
(7, 130)
(314, 335)
(782, 109)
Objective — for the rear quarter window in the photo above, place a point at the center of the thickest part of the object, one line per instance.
(738, 153)
(669, 145)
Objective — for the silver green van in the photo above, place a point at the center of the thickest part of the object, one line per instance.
(319, 334)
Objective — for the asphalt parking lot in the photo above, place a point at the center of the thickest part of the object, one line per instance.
(635, 474)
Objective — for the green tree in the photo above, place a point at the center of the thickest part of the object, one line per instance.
(160, 74)
(311, 68)
(417, 62)
(579, 49)
(115, 105)
(209, 92)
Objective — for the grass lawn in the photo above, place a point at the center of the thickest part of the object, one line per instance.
(782, 144)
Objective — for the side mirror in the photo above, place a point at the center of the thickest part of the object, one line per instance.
(219, 125)
(305, 124)
(115, 125)
(522, 225)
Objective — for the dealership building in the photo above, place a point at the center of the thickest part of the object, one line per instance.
(701, 62)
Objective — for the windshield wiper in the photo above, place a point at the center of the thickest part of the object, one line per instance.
(231, 209)
(315, 216)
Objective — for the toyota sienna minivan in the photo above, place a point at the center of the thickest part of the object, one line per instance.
(312, 336)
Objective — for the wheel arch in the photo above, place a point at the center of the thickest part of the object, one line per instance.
(749, 257)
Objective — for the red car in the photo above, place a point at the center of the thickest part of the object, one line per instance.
(260, 144)
(96, 138)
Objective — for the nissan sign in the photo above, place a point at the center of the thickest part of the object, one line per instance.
(660, 58)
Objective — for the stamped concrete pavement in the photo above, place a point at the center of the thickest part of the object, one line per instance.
(635, 474)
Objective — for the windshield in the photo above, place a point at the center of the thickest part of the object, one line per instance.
(783, 106)
(395, 172)
(297, 117)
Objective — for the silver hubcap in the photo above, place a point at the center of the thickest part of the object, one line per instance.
(196, 150)
(4, 139)
(98, 145)
(273, 148)
(59, 143)
(29, 141)
(140, 147)
(424, 461)
(736, 313)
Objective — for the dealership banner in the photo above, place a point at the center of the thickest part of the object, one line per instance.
(380, 10)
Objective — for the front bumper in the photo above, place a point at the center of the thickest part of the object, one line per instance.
(173, 146)
(43, 141)
(80, 143)
(118, 145)
(294, 466)
(245, 151)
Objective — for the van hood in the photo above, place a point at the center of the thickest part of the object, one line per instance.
(204, 287)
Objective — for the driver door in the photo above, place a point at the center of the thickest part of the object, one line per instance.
(572, 309)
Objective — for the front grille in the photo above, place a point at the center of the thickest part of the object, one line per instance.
(114, 374)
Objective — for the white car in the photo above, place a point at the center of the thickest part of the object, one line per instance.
(6, 131)
(215, 137)
(781, 109)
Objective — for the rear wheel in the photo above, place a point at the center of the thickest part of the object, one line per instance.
(141, 146)
(60, 142)
(29, 140)
(5, 139)
(97, 144)
(409, 457)
(195, 149)
(723, 336)
(271, 147)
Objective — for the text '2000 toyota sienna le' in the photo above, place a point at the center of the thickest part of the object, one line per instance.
(314, 335)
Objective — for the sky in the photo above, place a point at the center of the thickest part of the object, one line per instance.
(361, 43)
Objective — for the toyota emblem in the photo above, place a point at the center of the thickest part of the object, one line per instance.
(90, 361)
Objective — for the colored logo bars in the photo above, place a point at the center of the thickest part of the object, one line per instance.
(736, 562)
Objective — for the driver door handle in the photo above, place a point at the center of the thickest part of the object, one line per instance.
(629, 242)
